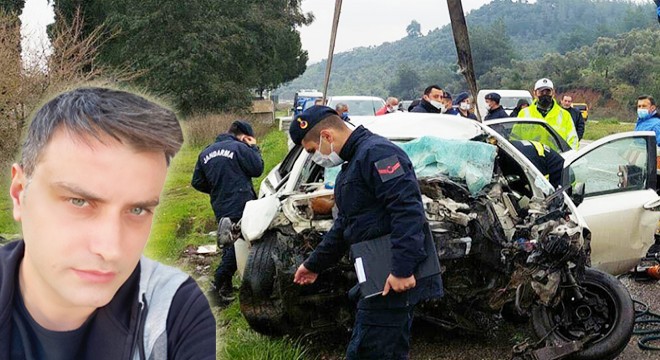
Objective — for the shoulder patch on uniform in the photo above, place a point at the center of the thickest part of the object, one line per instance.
(389, 168)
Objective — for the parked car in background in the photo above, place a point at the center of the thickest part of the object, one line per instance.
(584, 109)
(358, 105)
(508, 101)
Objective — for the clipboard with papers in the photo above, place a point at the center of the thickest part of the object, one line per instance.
(373, 263)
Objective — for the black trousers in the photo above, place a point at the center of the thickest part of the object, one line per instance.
(382, 334)
(227, 266)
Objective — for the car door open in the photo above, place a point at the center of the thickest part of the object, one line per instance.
(619, 177)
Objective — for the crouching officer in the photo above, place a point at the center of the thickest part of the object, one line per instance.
(225, 170)
(548, 161)
(377, 194)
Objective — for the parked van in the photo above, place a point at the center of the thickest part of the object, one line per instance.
(508, 102)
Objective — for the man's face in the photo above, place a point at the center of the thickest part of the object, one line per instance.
(434, 95)
(447, 102)
(394, 104)
(491, 104)
(566, 102)
(646, 104)
(86, 214)
(312, 144)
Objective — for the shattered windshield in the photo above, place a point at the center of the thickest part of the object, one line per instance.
(469, 161)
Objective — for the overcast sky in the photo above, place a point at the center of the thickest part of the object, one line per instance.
(371, 22)
(362, 22)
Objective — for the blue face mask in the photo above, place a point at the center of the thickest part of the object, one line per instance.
(643, 114)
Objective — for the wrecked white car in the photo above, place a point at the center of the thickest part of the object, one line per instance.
(622, 216)
(507, 241)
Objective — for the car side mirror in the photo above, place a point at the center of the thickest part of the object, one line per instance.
(577, 194)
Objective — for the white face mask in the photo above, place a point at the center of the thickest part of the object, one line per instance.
(327, 161)
(438, 105)
(393, 108)
(465, 106)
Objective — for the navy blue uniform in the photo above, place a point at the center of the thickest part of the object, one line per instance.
(377, 193)
(425, 107)
(468, 115)
(225, 170)
(451, 111)
(578, 121)
(498, 113)
(548, 161)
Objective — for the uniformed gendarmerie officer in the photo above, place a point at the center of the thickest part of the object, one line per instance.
(377, 194)
(225, 170)
(548, 161)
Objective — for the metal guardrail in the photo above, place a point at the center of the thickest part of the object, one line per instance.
(285, 122)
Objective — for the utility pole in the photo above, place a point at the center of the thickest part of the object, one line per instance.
(463, 51)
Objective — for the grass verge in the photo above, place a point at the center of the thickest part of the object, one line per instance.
(597, 130)
(183, 219)
(239, 342)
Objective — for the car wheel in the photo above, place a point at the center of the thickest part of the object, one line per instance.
(260, 304)
(606, 310)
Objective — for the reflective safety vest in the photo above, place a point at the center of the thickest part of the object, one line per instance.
(540, 149)
(558, 118)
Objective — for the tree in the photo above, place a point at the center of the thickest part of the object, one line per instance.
(406, 84)
(206, 55)
(414, 29)
(14, 7)
(491, 47)
(275, 43)
(25, 84)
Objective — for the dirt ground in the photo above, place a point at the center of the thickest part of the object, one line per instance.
(430, 343)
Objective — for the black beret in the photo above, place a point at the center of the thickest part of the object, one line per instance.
(493, 96)
(460, 97)
(305, 121)
(243, 127)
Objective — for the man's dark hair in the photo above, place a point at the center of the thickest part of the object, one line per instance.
(240, 127)
(647, 97)
(430, 88)
(96, 112)
(331, 122)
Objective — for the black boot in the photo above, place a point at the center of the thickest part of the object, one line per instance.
(226, 292)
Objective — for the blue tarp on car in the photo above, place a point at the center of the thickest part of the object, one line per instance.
(470, 161)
